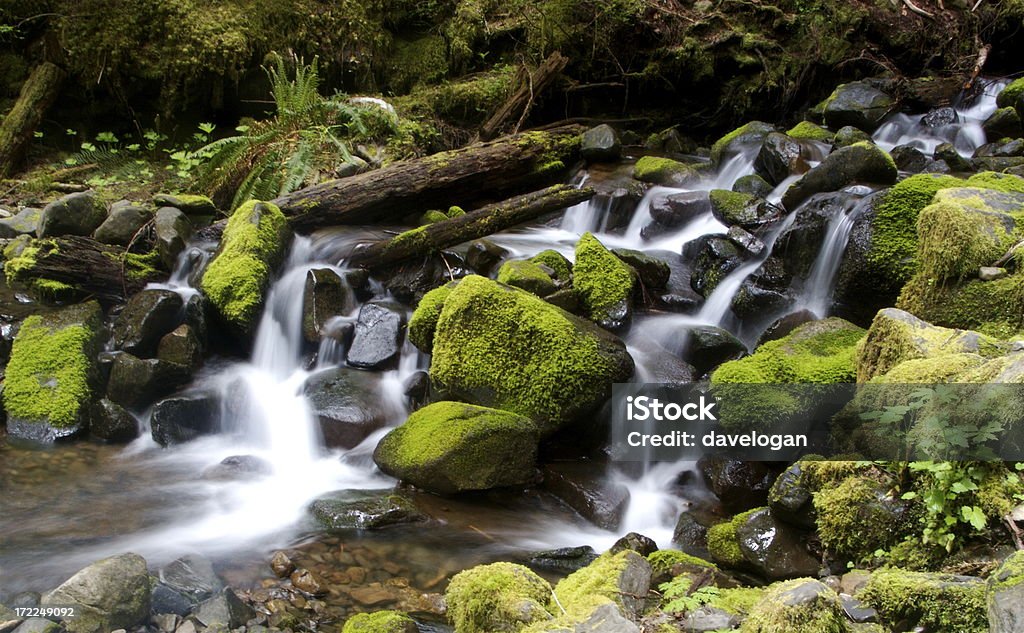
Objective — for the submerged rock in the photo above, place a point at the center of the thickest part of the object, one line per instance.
(364, 510)
(348, 404)
(110, 594)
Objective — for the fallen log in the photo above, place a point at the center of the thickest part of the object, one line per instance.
(466, 177)
(521, 102)
(88, 266)
(423, 241)
(37, 95)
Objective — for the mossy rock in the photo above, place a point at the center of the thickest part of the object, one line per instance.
(896, 336)
(862, 162)
(527, 275)
(51, 377)
(424, 318)
(189, 204)
(1005, 595)
(557, 262)
(803, 605)
(807, 131)
(254, 243)
(380, 622)
(604, 282)
(450, 447)
(665, 171)
(858, 104)
(747, 136)
(497, 598)
(724, 544)
(732, 208)
(668, 561)
(994, 308)
(505, 348)
(937, 602)
(1011, 94)
(623, 579)
(859, 516)
(999, 182)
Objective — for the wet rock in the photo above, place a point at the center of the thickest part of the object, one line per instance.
(527, 275)
(666, 368)
(716, 258)
(1006, 596)
(708, 347)
(191, 576)
(136, 383)
(910, 159)
(739, 209)
(471, 448)
(752, 185)
(849, 135)
(665, 171)
(183, 418)
(38, 625)
(588, 492)
(483, 255)
(634, 542)
(307, 582)
(858, 104)
(779, 157)
(564, 560)
(678, 209)
(417, 387)
(348, 405)
(26, 222)
(690, 535)
(604, 283)
(799, 244)
(1004, 123)
(364, 510)
(145, 319)
(326, 296)
(709, 619)
(940, 117)
(600, 144)
(181, 347)
(947, 153)
(74, 214)
(168, 601)
(110, 594)
(173, 230)
(783, 326)
(225, 609)
(746, 138)
(774, 549)
(791, 500)
(765, 291)
(112, 423)
(739, 485)
(653, 272)
(408, 282)
(857, 163)
(856, 610)
(195, 317)
(606, 619)
(122, 223)
(751, 245)
(377, 340)
(1001, 149)
(281, 565)
(238, 467)
(187, 204)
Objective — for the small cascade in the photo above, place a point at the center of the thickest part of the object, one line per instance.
(820, 283)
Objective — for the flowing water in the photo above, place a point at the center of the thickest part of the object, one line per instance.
(65, 506)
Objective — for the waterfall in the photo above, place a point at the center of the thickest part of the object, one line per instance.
(821, 281)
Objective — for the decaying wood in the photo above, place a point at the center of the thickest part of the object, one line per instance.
(37, 95)
(91, 267)
(480, 223)
(518, 106)
(466, 177)
(979, 64)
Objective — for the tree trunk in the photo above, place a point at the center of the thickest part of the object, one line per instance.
(520, 103)
(37, 95)
(467, 177)
(89, 266)
(480, 223)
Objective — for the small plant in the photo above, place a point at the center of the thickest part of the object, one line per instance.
(679, 599)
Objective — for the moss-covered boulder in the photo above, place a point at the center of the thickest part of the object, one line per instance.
(665, 171)
(51, 377)
(1009, 95)
(896, 336)
(189, 204)
(732, 208)
(559, 264)
(858, 104)
(424, 319)
(622, 579)
(449, 447)
(937, 602)
(501, 347)
(808, 131)
(860, 162)
(254, 243)
(497, 598)
(528, 275)
(110, 594)
(747, 137)
(380, 622)
(1004, 123)
(797, 606)
(861, 515)
(74, 214)
(604, 282)
(1005, 596)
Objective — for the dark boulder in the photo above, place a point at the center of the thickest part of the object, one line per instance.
(74, 214)
(136, 383)
(377, 340)
(587, 491)
(348, 405)
(738, 485)
(181, 347)
(858, 104)
(122, 223)
(326, 296)
(112, 423)
(145, 319)
(365, 510)
(775, 550)
(183, 418)
(678, 209)
(779, 157)
(708, 347)
(857, 163)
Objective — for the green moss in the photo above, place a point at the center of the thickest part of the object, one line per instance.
(854, 518)
(379, 622)
(664, 171)
(496, 598)
(933, 601)
(465, 102)
(752, 130)
(48, 377)
(995, 308)
(556, 262)
(664, 560)
(774, 613)
(939, 369)
(1006, 183)
(582, 591)
(455, 211)
(820, 352)
(417, 235)
(955, 241)
(16, 247)
(1009, 575)
(737, 600)
(430, 217)
(723, 544)
(142, 265)
(525, 274)
(17, 268)
(424, 318)
(605, 283)
(253, 245)
(521, 353)
(411, 62)
(805, 130)
(1010, 94)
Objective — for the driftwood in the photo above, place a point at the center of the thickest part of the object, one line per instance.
(89, 266)
(979, 64)
(37, 95)
(518, 106)
(466, 177)
(480, 223)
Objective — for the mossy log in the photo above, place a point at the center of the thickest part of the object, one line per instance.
(485, 221)
(82, 264)
(37, 95)
(522, 100)
(466, 177)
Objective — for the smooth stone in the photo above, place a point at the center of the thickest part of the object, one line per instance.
(145, 319)
(377, 340)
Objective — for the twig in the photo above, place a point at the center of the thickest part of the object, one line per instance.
(976, 5)
(1014, 531)
(1002, 261)
(918, 10)
(978, 65)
